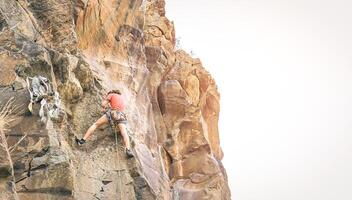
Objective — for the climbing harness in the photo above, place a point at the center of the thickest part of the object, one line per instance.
(115, 116)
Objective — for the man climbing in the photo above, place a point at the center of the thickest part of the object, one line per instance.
(113, 105)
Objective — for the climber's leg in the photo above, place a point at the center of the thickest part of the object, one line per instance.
(101, 121)
(123, 131)
(126, 139)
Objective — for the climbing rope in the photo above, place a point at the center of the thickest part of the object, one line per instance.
(116, 166)
(113, 130)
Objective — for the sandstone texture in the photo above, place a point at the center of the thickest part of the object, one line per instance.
(86, 48)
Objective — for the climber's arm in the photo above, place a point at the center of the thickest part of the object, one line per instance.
(105, 102)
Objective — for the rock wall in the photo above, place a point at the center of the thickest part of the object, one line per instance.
(86, 48)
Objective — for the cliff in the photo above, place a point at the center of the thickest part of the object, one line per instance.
(86, 48)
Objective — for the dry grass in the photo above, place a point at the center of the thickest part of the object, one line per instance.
(6, 117)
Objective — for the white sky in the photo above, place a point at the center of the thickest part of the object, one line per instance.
(284, 70)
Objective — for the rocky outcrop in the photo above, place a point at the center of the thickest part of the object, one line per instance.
(85, 48)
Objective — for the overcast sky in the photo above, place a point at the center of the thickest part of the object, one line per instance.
(284, 71)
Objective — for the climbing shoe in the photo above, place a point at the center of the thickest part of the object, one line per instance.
(80, 142)
(129, 153)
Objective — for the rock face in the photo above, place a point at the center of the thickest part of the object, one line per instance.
(86, 48)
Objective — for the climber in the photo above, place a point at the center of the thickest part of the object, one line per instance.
(113, 106)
